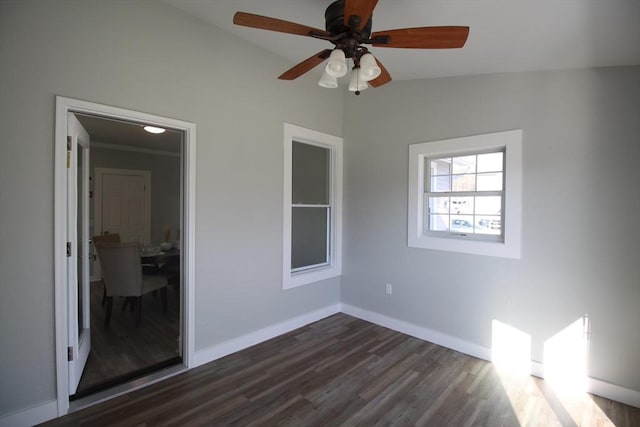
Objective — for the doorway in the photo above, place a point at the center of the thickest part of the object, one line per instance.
(173, 318)
(134, 195)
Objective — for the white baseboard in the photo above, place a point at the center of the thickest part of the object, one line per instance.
(594, 386)
(613, 392)
(236, 344)
(49, 410)
(419, 332)
(31, 416)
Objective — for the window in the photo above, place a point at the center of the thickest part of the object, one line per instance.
(312, 206)
(465, 194)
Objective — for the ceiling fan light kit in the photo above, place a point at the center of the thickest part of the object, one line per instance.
(369, 69)
(348, 26)
(356, 84)
(328, 81)
(337, 64)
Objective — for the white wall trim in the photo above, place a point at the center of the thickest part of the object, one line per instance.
(613, 392)
(31, 416)
(67, 105)
(108, 146)
(233, 345)
(594, 386)
(419, 332)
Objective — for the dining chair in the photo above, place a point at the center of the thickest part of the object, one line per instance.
(122, 276)
(109, 238)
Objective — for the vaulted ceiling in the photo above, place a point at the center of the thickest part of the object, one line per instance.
(505, 35)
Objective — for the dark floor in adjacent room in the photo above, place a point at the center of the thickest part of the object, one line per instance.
(124, 350)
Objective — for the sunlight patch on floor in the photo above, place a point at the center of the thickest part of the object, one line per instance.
(560, 400)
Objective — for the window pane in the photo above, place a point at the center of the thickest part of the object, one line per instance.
(488, 224)
(440, 167)
(440, 183)
(310, 174)
(490, 205)
(462, 205)
(490, 181)
(464, 164)
(462, 223)
(490, 162)
(464, 183)
(309, 236)
(471, 214)
(438, 205)
(438, 222)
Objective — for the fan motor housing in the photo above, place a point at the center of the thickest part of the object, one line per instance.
(334, 21)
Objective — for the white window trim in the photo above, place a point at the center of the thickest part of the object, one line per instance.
(334, 268)
(512, 142)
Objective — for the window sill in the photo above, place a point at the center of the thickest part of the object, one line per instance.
(305, 277)
(505, 249)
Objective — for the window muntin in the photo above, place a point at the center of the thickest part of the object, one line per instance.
(464, 195)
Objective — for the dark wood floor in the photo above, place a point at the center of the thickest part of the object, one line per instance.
(345, 371)
(122, 348)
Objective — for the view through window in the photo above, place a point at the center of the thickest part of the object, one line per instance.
(464, 195)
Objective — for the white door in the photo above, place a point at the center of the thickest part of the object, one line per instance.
(79, 331)
(123, 206)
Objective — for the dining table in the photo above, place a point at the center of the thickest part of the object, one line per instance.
(157, 261)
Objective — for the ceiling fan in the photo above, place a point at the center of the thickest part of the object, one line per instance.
(348, 27)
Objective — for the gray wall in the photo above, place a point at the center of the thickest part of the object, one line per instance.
(165, 185)
(150, 57)
(581, 203)
(581, 209)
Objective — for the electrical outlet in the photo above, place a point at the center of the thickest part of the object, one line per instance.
(389, 288)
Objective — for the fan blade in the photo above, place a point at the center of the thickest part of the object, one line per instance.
(306, 65)
(383, 78)
(361, 8)
(273, 24)
(423, 37)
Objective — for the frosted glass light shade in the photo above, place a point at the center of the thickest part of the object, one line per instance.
(337, 65)
(356, 83)
(153, 129)
(369, 69)
(328, 81)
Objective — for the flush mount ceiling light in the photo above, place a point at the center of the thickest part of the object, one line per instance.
(154, 130)
(348, 27)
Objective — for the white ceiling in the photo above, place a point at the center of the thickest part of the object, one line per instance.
(505, 35)
(118, 132)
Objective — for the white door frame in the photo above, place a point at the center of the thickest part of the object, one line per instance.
(68, 105)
